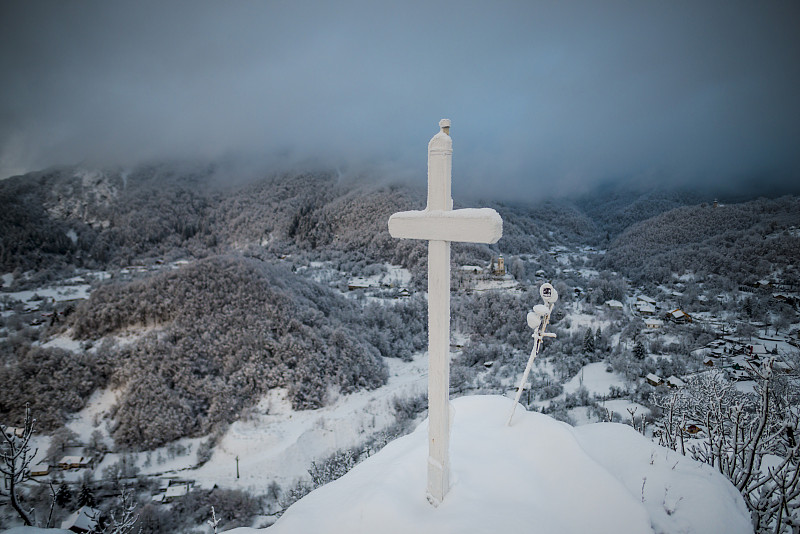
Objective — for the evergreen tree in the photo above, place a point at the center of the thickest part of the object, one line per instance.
(85, 495)
(588, 342)
(748, 307)
(639, 350)
(63, 494)
(598, 339)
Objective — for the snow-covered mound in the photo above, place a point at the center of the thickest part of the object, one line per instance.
(539, 475)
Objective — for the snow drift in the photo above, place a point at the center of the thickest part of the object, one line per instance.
(539, 475)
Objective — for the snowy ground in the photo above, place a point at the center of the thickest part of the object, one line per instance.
(579, 322)
(90, 417)
(63, 342)
(595, 378)
(55, 293)
(275, 443)
(538, 472)
(506, 283)
(622, 407)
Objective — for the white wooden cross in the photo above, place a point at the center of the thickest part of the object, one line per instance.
(440, 224)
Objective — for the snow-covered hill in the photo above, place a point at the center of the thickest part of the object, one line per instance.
(539, 475)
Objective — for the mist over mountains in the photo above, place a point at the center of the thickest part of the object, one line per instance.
(237, 320)
(98, 217)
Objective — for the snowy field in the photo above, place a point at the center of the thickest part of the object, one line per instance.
(55, 293)
(596, 379)
(275, 443)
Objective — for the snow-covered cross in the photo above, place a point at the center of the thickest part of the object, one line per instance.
(440, 224)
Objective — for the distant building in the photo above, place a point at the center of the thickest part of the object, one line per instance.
(14, 431)
(645, 309)
(653, 323)
(614, 304)
(40, 470)
(692, 429)
(653, 380)
(675, 382)
(360, 283)
(74, 462)
(740, 374)
(498, 268)
(84, 520)
(175, 491)
(646, 299)
(679, 316)
(473, 269)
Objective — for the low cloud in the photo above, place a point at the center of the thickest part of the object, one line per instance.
(544, 98)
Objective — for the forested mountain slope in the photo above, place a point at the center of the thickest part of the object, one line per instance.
(220, 333)
(100, 218)
(743, 242)
(615, 209)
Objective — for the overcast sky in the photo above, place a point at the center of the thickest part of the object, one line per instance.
(543, 96)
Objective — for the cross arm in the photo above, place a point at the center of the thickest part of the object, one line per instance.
(473, 225)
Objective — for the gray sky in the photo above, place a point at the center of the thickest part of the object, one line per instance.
(555, 96)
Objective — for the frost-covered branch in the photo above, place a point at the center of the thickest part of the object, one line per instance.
(740, 430)
(15, 457)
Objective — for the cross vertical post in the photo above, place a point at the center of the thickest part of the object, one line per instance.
(440, 224)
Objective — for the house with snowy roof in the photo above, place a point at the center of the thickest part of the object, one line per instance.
(74, 462)
(83, 520)
(653, 323)
(645, 308)
(176, 491)
(360, 283)
(42, 469)
(654, 379)
(675, 382)
(14, 431)
(679, 316)
(472, 269)
(614, 304)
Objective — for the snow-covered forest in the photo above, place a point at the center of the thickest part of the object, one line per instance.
(156, 319)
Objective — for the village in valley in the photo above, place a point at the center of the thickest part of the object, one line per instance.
(631, 349)
(244, 365)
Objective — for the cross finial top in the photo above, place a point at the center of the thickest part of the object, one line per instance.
(444, 124)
